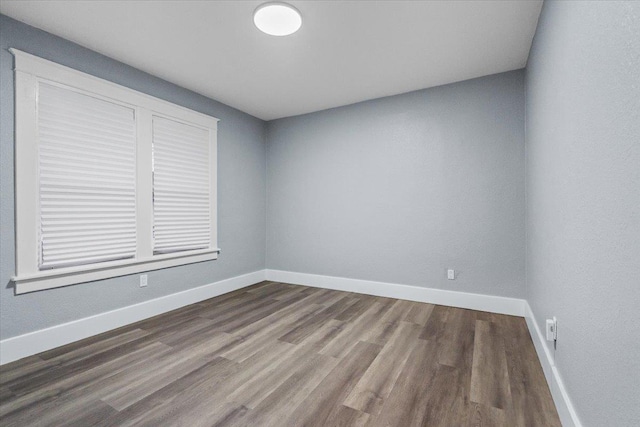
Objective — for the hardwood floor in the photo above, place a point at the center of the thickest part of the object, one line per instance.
(284, 355)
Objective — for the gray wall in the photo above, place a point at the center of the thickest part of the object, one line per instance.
(241, 193)
(583, 200)
(398, 189)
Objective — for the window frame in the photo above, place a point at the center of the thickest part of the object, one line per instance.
(29, 71)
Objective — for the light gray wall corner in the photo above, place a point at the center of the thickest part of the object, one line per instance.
(583, 200)
(241, 193)
(399, 189)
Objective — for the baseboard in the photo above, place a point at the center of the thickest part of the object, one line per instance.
(494, 304)
(15, 348)
(566, 411)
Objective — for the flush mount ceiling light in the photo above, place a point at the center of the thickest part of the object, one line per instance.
(277, 19)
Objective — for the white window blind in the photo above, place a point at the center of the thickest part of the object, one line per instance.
(87, 177)
(182, 167)
(108, 181)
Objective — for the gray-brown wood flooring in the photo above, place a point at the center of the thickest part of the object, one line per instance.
(282, 355)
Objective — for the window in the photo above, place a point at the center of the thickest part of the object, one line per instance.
(109, 181)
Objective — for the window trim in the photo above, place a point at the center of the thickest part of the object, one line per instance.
(29, 70)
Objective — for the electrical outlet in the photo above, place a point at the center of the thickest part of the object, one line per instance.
(143, 280)
(451, 274)
(552, 329)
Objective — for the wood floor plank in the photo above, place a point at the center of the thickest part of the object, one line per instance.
(5, 394)
(51, 401)
(59, 393)
(175, 398)
(66, 361)
(276, 354)
(386, 323)
(230, 415)
(490, 376)
(436, 326)
(61, 372)
(406, 404)
(256, 368)
(302, 330)
(223, 317)
(328, 297)
(355, 330)
(234, 307)
(486, 416)
(295, 290)
(355, 310)
(284, 399)
(269, 289)
(325, 334)
(23, 369)
(253, 392)
(167, 370)
(418, 313)
(281, 317)
(443, 405)
(175, 336)
(350, 417)
(455, 349)
(256, 389)
(253, 341)
(82, 415)
(322, 406)
(280, 291)
(376, 384)
(208, 343)
(455, 344)
(204, 402)
(234, 325)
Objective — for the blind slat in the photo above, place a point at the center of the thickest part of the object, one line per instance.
(59, 263)
(102, 234)
(79, 189)
(86, 257)
(170, 170)
(184, 153)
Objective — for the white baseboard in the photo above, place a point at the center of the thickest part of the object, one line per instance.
(566, 411)
(494, 304)
(45, 339)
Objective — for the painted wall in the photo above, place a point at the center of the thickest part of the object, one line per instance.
(399, 189)
(241, 193)
(583, 200)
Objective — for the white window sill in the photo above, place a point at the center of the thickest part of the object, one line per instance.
(49, 279)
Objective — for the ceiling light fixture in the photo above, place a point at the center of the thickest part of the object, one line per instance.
(277, 19)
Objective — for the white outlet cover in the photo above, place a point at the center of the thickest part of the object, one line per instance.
(552, 329)
(451, 274)
(143, 280)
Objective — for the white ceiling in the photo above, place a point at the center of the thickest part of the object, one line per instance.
(345, 52)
